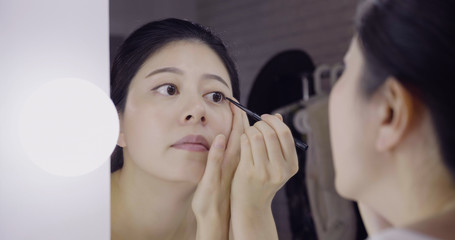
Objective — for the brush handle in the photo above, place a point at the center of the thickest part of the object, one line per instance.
(299, 144)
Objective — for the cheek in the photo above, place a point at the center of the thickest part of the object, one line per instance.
(222, 122)
(345, 129)
(338, 119)
(351, 138)
(143, 129)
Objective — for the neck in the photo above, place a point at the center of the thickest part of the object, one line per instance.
(145, 207)
(424, 201)
(416, 190)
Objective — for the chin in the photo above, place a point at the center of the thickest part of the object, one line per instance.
(343, 189)
(184, 178)
(190, 174)
(183, 166)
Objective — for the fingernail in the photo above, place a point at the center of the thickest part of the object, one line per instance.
(279, 116)
(220, 141)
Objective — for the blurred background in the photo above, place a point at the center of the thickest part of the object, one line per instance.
(288, 54)
(255, 30)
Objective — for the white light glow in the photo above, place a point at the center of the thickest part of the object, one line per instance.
(69, 127)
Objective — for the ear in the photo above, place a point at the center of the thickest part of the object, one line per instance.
(121, 137)
(395, 111)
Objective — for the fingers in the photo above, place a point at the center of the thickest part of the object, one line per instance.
(212, 171)
(272, 143)
(264, 167)
(233, 146)
(240, 114)
(245, 153)
(284, 135)
(236, 130)
(210, 202)
(237, 123)
(279, 116)
(258, 146)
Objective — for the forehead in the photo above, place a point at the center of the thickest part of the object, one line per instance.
(191, 56)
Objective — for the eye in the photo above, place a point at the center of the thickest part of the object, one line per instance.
(167, 89)
(216, 97)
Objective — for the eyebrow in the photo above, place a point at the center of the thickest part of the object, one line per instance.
(215, 77)
(166, 69)
(180, 72)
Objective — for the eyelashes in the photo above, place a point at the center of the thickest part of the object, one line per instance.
(216, 97)
(169, 89)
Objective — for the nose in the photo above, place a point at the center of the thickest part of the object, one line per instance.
(194, 112)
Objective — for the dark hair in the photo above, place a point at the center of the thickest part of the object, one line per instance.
(414, 41)
(143, 43)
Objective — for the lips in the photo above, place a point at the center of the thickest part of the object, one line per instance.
(194, 143)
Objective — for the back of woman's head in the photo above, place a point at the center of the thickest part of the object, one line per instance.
(147, 40)
(413, 41)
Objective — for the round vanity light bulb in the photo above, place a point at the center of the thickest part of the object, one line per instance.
(69, 127)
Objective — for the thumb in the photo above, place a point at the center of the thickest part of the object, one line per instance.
(215, 158)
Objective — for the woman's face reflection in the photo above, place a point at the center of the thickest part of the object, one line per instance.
(175, 108)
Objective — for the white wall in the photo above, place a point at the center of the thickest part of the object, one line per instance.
(43, 41)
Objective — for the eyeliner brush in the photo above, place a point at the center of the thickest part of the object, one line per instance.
(299, 144)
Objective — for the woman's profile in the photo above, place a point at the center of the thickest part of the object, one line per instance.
(391, 119)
